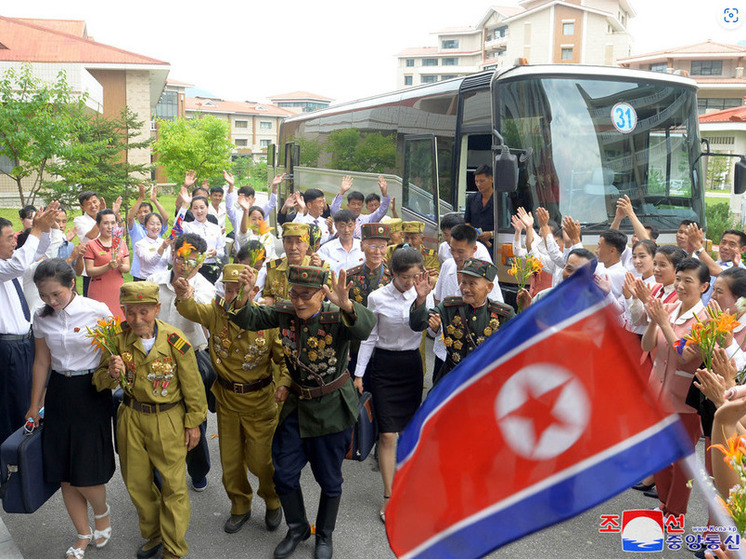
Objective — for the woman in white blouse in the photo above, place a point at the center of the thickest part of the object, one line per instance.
(153, 251)
(210, 233)
(77, 440)
(393, 350)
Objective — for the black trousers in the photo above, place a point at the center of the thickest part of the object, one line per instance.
(16, 362)
(291, 453)
(86, 283)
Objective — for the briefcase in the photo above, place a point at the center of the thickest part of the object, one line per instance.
(23, 487)
(365, 431)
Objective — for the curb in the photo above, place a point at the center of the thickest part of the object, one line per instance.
(8, 548)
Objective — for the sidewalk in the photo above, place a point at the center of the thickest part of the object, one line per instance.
(8, 549)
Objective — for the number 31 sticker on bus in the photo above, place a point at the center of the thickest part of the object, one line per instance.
(624, 117)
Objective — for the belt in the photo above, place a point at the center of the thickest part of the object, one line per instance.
(74, 373)
(147, 408)
(305, 393)
(239, 388)
(15, 337)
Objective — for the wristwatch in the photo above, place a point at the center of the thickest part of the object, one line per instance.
(699, 250)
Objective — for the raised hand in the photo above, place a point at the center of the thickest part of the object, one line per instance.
(190, 177)
(695, 236)
(182, 288)
(517, 224)
(423, 285)
(339, 293)
(45, 218)
(70, 234)
(185, 195)
(382, 185)
(542, 216)
(116, 205)
(602, 283)
(248, 279)
(571, 229)
(526, 218)
(392, 204)
(346, 184)
(141, 192)
(624, 205)
(154, 193)
(245, 203)
(229, 179)
(277, 181)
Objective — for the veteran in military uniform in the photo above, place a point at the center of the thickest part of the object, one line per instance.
(321, 404)
(273, 278)
(244, 392)
(158, 421)
(467, 320)
(413, 236)
(397, 235)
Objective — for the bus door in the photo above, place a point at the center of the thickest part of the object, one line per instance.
(420, 185)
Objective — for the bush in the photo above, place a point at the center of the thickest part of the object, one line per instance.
(719, 219)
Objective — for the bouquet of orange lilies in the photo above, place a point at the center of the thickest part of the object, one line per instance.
(735, 456)
(191, 258)
(708, 333)
(261, 228)
(523, 268)
(102, 337)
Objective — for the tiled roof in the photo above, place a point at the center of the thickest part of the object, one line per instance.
(28, 42)
(715, 81)
(706, 47)
(735, 114)
(508, 11)
(206, 105)
(300, 95)
(70, 26)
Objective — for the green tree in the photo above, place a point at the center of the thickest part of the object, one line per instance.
(310, 150)
(201, 144)
(240, 169)
(342, 145)
(717, 172)
(351, 151)
(37, 121)
(99, 160)
(258, 174)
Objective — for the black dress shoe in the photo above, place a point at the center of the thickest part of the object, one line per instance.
(652, 493)
(272, 518)
(149, 549)
(235, 522)
(642, 487)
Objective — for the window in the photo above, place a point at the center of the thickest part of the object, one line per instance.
(659, 67)
(265, 143)
(707, 67)
(241, 124)
(265, 125)
(717, 103)
(568, 28)
(447, 77)
(450, 62)
(566, 54)
(242, 143)
(410, 62)
(449, 43)
(428, 79)
(407, 80)
(429, 61)
(168, 105)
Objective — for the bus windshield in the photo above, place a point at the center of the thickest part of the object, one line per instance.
(588, 141)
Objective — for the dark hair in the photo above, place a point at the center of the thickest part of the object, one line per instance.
(197, 198)
(247, 191)
(703, 273)
(464, 232)
(483, 170)
(312, 194)
(372, 196)
(243, 252)
(197, 189)
(355, 195)
(22, 238)
(688, 222)
(344, 216)
(405, 258)
(451, 220)
(615, 238)
(215, 189)
(582, 253)
(62, 209)
(259, 209)
(653, 231)
(554, 227)
(151, 214)
(5, 223)
(26, 211)
(672, 253)
(198, 242)
(740, 234)
(146, 205)
(101, 213)
(736, 279)
(650, 246)
(55, 269)
(84, 196)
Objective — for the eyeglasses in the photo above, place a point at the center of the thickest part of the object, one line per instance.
(293, 294)
(379, 248)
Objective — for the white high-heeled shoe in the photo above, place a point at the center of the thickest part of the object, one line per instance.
(77, 552)
(104, 534)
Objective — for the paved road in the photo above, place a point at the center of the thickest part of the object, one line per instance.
(360, 534)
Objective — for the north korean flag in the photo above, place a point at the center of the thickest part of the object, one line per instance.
(546, 419)
(178, 228)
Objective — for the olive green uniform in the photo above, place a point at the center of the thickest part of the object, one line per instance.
(246, 418)
(365, 281)
(276, 285)
(166, 375)
(428, 255)
(464, 327)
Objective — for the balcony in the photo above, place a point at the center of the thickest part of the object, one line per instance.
(496, 43)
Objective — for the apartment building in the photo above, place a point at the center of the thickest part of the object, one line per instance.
(541, 31)
(253, 126)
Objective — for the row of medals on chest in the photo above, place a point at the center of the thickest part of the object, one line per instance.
(322, 356)
(161, 373)
(254, 353)
(457, 330)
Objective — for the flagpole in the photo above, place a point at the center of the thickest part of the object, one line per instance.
(696, 471)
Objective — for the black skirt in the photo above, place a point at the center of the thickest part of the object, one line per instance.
(396, 385)
(77, 437)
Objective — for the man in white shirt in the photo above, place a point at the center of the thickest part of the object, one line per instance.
(731, 248)
(198, 459)
(313, 200)
(217, 206)
(16, 343)
(355, 201)
(344, 252)
(448, 222)
(611, 245)
(234, 212)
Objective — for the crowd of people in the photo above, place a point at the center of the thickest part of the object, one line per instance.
(280, 342)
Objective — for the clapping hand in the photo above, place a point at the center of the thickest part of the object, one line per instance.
(526, 218)
(45, 218)
(656, 312)
(339, 293)
(517, 224)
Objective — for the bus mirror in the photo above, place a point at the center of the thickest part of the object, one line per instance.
(505, 172)
(739, 176)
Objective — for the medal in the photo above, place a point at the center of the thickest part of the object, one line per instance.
(322, 344)
(260, 342)
(450, 329)
(359, 298)
(126, 356)
(456, 357)
(328, 339)
(226, 343)
(458, 334)
(312, 355)
(488, 331)
(457, 320)
(448, 342)
(312, 342)
(457, 345)
(494, 323)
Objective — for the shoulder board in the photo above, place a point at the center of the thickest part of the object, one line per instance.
(221, 302)
(274, 263)
(500, 308)
(284, 307)
(179, 343)
(357, 270)
(453, 301)
(330, 317)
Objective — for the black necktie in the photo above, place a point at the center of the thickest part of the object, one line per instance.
(22, 297)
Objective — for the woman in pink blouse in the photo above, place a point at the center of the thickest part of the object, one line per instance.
(673, 372)
(104, 268)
